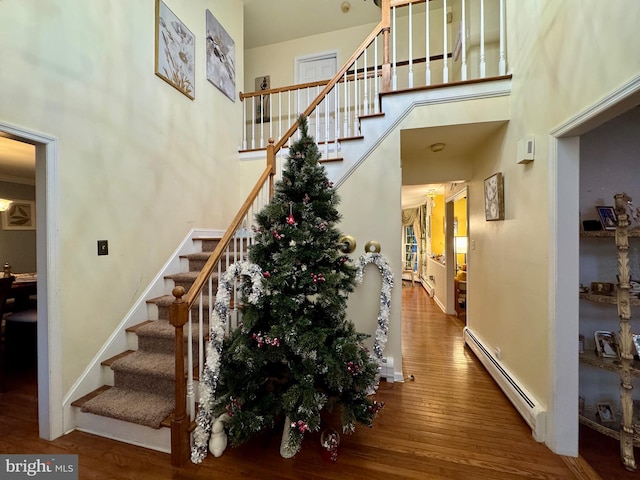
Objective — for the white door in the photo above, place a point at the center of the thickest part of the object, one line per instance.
(313, 69)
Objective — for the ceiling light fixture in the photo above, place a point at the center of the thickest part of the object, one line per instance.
(437, 147)
(5, 204)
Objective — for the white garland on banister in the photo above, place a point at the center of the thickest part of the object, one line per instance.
(210, 373)
(385, 300)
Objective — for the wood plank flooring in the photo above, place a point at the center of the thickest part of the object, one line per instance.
(449, 422)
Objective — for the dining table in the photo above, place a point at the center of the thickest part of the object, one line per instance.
(23, 288)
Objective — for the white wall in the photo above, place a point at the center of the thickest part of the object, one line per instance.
(140, 164)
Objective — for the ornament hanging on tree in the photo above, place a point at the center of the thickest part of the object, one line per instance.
(290, 219)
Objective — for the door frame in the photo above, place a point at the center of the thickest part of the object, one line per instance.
(564, 249)
(450, 247)
(50, 417)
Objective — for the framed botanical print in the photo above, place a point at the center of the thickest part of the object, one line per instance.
(494, 197)
(175, 51)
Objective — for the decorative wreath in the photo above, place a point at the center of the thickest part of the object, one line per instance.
(204, 419)
(385, 299)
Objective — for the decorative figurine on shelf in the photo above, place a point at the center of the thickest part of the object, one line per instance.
(7, 270)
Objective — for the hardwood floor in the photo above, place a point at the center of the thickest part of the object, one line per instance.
(448, 420)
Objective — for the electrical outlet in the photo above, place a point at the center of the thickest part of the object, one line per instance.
(498, 353)
(103, 247)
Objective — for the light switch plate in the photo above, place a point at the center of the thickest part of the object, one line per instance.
(103, 247)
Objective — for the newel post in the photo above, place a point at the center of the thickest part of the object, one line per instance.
(386, 63)
(180, 445)
(271, 163)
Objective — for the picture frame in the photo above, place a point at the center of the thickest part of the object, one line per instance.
(21, 215)
(606, 343)
(263, 103)
(604, 411)
(221, 53)
(636, 345)
(608, 217)
(175, 51)
(494, 197)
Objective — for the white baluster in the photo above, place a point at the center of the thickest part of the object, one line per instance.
(427, 45)
(262, 144)
(253, 122)
(345, 110)
(325, 102)
(270, 116)
(244, 126)
(502, 64)
(411, 45)
(279, 115)
(445, 58)
(463, 34)
(376, 82)
(483, 69)
(356, 98)
(336, 115)
(365, 91)
(394, 68)
(191, 402)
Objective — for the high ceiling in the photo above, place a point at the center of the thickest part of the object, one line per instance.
(274, 21)
(17, 160)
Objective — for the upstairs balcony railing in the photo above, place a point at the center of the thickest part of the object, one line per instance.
(417, 44)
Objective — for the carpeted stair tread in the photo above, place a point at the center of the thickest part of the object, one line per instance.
(159, 337)
(153, 364)
(132, 406)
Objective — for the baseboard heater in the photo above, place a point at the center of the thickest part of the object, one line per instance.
(530, 409)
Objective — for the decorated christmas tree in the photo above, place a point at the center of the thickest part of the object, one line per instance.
(296, 352)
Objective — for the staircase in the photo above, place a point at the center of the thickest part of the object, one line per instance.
(137, 402)
(129, 392)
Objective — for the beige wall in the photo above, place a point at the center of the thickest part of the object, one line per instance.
(565, 56)
(139, 163)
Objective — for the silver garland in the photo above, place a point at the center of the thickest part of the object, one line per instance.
(211, 371)
(385, 301)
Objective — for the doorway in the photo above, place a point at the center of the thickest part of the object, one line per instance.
(564, 210)
(49, 367)
(457, 232)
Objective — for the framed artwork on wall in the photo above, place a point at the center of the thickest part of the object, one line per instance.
(221, 53)
(21, 215)
(608, 217)
(494, 197)
(175, 51)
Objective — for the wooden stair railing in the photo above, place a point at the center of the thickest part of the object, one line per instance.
(179, 316)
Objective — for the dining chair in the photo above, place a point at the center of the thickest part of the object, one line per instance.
(20, 332)
(5, 288)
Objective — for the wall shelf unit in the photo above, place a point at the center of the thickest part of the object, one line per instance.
(626, 426)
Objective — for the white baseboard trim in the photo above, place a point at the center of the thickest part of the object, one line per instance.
(388, 373)
(533, 412)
